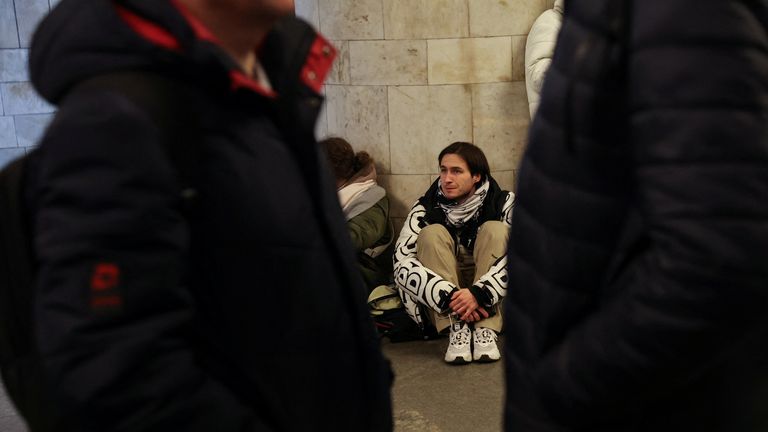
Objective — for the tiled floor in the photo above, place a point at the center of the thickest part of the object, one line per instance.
(429, 395)
(9, 419)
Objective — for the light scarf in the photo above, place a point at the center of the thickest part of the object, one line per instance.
(360, 192)
(458, 215)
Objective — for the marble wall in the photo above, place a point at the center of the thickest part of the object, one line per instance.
(412, 76)
(23, 114)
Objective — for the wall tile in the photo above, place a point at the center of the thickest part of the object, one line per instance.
(359, 115)
(30, 128)
(503, 17)
(340, 72)
(397, 223)
(9, 36)
(28, 16)
(401, 62)
(7, 133)
(21, 98)
(518, 58)
(505, 179)
(425, 19)
(351, 19)
(424, 120)
(7, 155)
(475, 60)
(13, 65)
(500, 122)
(2, 108)
(307, 9)
(403, 191)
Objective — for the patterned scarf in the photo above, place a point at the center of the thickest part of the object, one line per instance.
(458, 215)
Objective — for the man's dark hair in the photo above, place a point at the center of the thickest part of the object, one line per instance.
(472, 155)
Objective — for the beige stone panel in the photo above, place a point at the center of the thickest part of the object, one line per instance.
(425, 19)
(403, 191)
(398, 224)
(351, 19)
(500, 122)
(503, 17)
(307, 9)
(473, 60)
(401, 62)
(518, 58)
(422, 121)
(340, 71)
(505, 179)
(359, 115)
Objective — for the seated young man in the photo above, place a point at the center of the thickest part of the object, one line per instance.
(450, 258)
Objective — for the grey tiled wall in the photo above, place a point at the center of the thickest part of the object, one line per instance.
(23, 114)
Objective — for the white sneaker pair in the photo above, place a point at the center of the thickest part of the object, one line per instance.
(461, 339)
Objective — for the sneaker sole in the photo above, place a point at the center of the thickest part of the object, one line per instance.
(459, 361)
(485, 358)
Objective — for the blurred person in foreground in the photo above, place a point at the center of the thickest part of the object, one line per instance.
(231, 306)
(640, 260)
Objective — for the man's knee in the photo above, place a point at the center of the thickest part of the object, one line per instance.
(493, 233)
(434, 237)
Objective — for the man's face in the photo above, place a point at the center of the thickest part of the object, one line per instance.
(457, 182)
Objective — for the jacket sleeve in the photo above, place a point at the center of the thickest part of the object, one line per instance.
(370, 226)
(699, 289)
(114, 317)
(411, 277)
(539, 49)
(493, 284)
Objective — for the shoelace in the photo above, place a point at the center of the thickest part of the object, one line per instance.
(485, 335)
(460, 337)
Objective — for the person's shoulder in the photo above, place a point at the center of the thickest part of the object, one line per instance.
(100, 126)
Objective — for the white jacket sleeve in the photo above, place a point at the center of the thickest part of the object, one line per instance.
(415, 281)
(539, 48)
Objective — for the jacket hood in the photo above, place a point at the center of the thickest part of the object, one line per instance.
(84, 38)
(80, 39)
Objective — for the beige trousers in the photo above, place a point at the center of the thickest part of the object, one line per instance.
(435, 249)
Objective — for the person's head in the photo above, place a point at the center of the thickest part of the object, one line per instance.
(463, 167)
(344, 161)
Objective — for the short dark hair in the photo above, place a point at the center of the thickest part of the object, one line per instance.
(472, 155)
(344, 161)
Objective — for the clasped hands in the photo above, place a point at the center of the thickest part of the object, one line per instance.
(465, 305)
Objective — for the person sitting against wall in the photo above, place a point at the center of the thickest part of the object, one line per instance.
(539, 48)
(450, 257)
(366, 209)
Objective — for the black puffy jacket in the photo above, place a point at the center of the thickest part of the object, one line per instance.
(248, 313)
(638, 293)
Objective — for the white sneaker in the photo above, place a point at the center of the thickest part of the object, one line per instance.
(459, 347)
(485, 349)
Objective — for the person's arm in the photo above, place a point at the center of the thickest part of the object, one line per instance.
(411, 277)
(370, 226)
(699, 104)
(539, 49)
(115, 320)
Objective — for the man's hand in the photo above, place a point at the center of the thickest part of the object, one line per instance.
(464, 304)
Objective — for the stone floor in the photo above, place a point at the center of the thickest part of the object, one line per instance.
(429, 395)
(432, 396)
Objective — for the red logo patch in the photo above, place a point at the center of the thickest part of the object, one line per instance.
(105, 276)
